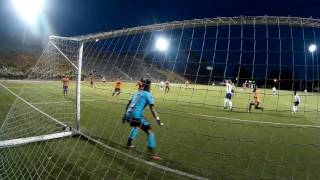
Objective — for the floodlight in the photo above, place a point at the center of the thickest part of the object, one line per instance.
(28, 9)
(312, 48)
(162, 44)
(209, 68)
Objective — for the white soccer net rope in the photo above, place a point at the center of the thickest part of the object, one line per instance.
(200, 139)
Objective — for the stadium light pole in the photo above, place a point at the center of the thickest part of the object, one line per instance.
(312, 49)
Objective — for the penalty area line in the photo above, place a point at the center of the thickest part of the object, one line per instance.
(165, 168)
(253, 121)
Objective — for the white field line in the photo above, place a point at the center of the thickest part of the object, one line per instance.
(50, 102)
(182, 85)
(29, 81)
(165, 168)
(230, 119)
(19, 87)
(258, 122)
(29, 104)
(27, 140)
(202, 115)
(208, 116)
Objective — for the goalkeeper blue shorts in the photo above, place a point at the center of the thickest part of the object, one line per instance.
(137, 122)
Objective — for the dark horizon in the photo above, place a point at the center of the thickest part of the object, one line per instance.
(78, 17)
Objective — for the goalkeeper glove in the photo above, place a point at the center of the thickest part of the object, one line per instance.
(159, 122)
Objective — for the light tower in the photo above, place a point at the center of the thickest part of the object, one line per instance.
(312, 49)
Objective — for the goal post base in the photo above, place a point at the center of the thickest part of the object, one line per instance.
(22, 141)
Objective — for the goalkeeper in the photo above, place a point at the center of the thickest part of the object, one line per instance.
(134, 115)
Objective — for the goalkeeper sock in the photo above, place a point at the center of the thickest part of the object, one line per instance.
(151, 140)
(133, 133)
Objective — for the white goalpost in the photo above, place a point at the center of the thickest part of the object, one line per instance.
(66, 120)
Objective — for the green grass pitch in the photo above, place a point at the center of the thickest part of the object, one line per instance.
(199, 136)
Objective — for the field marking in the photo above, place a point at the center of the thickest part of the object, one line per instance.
(29, 104)
(202, 115)
(225, 118)
(51, 102)
(20, 87)
(258, 122)
(33, 139)
(165, 168)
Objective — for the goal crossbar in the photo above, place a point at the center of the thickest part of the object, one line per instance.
(245, 20)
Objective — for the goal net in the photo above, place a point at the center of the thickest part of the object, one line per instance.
(206, 75)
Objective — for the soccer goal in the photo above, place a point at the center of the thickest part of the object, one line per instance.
(238, 98)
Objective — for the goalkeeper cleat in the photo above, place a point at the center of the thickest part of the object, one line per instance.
(132, 146)
(155, 158)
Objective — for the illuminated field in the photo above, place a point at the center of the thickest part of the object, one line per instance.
(199, 136)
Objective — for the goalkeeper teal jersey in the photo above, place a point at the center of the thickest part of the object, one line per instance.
(138, 102)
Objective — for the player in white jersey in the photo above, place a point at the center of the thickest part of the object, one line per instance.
(161, 84)
(186, 84)
(296, 102)
(227, 99)
(274, 90)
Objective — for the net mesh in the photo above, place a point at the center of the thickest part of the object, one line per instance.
(200, 138)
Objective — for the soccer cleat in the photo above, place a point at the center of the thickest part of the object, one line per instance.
(132, 146)
(155, 157)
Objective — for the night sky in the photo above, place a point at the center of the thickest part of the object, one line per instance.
(75, 17)
(78, 17)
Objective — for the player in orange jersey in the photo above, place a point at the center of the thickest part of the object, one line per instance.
(255, 100)
(117, 86)
(65, 85)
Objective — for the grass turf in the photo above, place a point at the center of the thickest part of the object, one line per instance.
(199, 136)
